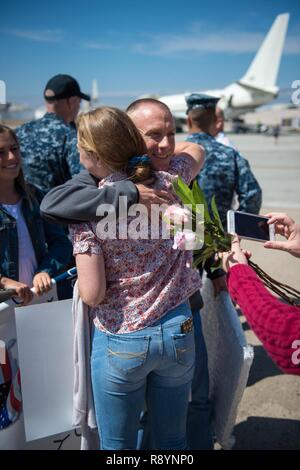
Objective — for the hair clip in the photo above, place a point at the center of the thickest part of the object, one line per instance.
(138, 160)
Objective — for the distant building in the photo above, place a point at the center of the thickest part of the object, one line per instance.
(287, 117)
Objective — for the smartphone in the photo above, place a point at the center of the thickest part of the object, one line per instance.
(250, 226)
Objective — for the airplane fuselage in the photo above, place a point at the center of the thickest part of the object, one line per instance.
(235, 99)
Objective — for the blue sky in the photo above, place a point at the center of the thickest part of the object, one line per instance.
(135, 47)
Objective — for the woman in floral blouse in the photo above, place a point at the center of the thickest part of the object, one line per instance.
(137, 289)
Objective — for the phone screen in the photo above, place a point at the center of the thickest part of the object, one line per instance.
(251, 226)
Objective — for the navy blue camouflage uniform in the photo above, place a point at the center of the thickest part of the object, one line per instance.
(49, 151)
(224, 173)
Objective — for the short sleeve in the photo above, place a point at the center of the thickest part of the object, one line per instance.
(84, 239)
(181, 165)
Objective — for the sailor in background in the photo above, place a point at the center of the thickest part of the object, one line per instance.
(49, 145)
(225, 171)
(220, 135)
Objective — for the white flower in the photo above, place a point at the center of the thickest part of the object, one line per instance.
(176, 215)
(179, 241)
(186, 240)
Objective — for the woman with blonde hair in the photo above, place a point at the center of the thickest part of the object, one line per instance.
(137, 289)
(32, 250)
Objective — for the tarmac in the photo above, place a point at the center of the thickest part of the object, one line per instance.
(269, 412)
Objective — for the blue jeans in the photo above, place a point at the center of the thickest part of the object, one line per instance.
(199, 431)
(154, 366)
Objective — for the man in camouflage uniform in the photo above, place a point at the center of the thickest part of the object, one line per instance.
(225, 171)
(220, 135)
(49, 145)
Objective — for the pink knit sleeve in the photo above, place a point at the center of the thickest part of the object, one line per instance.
(277, 325)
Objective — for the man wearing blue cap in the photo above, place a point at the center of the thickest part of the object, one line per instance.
(225, 171)
(49, 145)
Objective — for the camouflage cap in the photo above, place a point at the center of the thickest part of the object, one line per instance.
(200, 100)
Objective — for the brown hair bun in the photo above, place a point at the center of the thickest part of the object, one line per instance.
(139, 168)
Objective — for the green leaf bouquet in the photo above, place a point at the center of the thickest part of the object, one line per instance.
(216, 240)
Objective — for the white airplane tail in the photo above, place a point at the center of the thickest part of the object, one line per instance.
(263, 70)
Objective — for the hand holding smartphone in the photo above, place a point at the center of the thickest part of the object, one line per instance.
(250, 226)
